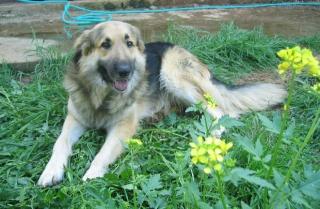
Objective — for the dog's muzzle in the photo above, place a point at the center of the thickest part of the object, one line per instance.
(117, 73)
(123, 70)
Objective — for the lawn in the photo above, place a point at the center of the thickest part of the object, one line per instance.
(262, 171)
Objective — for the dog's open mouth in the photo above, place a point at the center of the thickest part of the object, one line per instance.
(120, 85)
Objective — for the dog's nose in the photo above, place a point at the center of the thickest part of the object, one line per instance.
(123, 69)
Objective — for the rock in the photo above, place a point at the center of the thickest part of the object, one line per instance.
(21, 52)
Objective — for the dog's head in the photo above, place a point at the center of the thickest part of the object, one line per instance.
(111, 53)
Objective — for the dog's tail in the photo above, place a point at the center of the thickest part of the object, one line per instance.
(240, 99)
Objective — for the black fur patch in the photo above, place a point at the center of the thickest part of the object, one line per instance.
(76, 57)
(104, 74)
(155, 52)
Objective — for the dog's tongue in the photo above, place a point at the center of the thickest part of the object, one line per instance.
(121, 85)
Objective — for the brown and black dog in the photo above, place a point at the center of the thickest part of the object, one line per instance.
(116, 80)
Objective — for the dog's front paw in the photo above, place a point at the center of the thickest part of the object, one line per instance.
(51, 175)
(94, 172)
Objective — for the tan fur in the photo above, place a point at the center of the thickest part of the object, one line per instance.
(94, 103)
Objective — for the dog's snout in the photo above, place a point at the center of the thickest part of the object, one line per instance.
(123, 69)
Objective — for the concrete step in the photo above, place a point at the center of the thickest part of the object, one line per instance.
(21, 53)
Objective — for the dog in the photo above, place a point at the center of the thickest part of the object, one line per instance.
(116, 81)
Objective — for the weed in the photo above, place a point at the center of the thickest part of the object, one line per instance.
(160, 174)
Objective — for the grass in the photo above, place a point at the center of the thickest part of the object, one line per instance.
(160, 174)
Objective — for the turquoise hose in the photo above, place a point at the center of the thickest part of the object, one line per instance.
(96, 16)
(43, 2)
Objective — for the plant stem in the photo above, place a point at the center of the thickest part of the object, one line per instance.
(311, 131)
(134, 182)
(220, 188)
(306, 140)
(284, 121)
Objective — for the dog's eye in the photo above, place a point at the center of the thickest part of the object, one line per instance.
(129, 44)
(106, 44)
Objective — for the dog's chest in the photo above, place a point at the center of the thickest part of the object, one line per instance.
(110, 110)
(115, 104)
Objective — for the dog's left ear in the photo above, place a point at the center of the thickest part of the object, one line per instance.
(138, 36)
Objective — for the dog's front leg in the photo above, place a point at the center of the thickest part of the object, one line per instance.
(112, 148)
(71, 132)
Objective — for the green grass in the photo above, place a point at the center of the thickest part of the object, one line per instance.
(31, 116)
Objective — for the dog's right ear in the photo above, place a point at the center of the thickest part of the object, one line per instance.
(138, 36)
(84, 43)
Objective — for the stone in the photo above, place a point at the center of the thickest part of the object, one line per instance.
(20, 53)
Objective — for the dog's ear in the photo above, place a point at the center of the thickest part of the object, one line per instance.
(83, 43)
(138, 36)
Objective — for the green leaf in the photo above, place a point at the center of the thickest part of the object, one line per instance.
(258, 148)
(248, 175)
(229, 122)
(128, 186)
(308, 171)
(69, 176)
(297, 197)
(272, 126)
(200, 127)
(246, 143)
(218, 205)
(152, 184)
(190, 191)
(280, 204)
(203, 205)
(311, 187)
(278, 178)
(266, 158)
(245, 206)
(289, 133)
(171, 119)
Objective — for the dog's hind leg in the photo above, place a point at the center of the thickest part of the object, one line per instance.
(53, 172)
(184, 77)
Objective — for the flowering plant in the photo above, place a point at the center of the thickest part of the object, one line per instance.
(209, 152)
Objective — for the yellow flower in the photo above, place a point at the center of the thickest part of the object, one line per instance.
(314, 71)
(225, 147)
(218, 151)
(193, 145)
(197, 151)
(210, 153)
(283, 67)
(297, 59)
(209, 140)
(197, 154)
(316, 87)
(203, 159)
(194, 160)
(283, 53)
(217, 167)
(200, 139)
(213, 157)
(230, 163)
(207, 170)
(134, 142)
(217, 141)
(210, 101)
